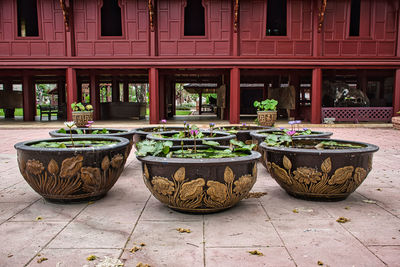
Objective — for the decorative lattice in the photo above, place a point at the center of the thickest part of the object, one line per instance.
(358, 114)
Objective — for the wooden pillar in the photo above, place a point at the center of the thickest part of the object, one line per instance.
(94, 95)
(61, 91)
(68, 12)
(234, 109)
(29, 98)
(152, 8)
(317, 36)
(235, 37)
(154, 96)
(396, 93)
(8, 89)
(72, 95)
(126, 91)
(316, 92)
(161, 88)
(115, 90)
(200, 101)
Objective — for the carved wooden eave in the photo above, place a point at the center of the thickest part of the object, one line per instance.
(151, 15)
(66, 15)
(321, 15)
(236, 16)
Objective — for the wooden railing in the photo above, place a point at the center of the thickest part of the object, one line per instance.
(357, 114)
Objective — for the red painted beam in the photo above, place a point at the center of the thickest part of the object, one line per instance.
(72, 93)
(29, 98)
(316, 92)
(94, 95)
(154, 96)
(234, 107)
(396, 93)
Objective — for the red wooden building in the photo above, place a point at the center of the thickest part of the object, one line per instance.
(341, 56)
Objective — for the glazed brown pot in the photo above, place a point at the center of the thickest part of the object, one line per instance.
(396, 122)
(87, 132)
(72, 174)
(221, 137)
(139, 134)
(200, 185)
(319, 174)
(267, 118)
(81, 118)
(242, 132)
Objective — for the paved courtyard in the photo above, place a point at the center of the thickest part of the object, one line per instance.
(287, 231)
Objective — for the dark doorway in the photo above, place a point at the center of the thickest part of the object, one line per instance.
(194, 18)
(111, 18)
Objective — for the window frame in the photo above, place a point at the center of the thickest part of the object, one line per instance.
(121, 5)
(205, 36)
(39, 21)
(288, 35)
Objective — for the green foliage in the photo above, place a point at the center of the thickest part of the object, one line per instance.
(265, 105)
(62, 130)
(240, 146)
(335, 145)
(153, 148)
(278, 140)
(80, 107)
(69, 144)
(103, 131)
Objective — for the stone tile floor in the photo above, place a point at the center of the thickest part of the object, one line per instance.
(129, 216)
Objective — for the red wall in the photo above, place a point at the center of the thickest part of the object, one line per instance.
(254, 41)
(135, 33)
(378, 29)
(51, 31)
(218, 26)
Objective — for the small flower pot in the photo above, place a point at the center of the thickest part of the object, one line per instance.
(200, 185)
(81, 118)
(221, 137)
(319, 174)
(72, 174)
(267, 118)
(396, 122)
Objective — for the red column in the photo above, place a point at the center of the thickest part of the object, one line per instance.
(162, 100)
(396, 93)
(29, 98)
(94, 96)
(234, 109)
(72, 94)
(317, 36)
(154, 96)
(316, 92)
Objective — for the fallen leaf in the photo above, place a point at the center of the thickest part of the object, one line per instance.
(256, 252)
(142, 244)
(255, 194)
(90, 202)
(91, 258)
(39, 218)
(320, 263)
(342, 220)
(42, 259)
(346, 208)
(295, 211)
(369, 201)
(378, 189)
(183, 230)
(142, 265)
(10, 255)
(134, 249)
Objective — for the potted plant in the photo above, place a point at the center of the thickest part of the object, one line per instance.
(318, 169)
(76, 132)
(81, 114)
(72, 169)
(199, 179)
(242, 132)
(396, 121)
(266, 111)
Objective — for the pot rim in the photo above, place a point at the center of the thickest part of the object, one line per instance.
(162, 160)
(370, 148)
(260, 127)
(25, 145)
(141, 129)
(55, 133)
(317, 133)
(224, 137)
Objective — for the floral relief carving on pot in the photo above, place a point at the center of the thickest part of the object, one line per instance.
(196, 194)
(307, 180)
(72, 180)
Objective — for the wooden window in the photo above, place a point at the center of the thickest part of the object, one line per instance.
(276, 17)
(194, 18)
(27, 16)
(111, 24)
(355, 10)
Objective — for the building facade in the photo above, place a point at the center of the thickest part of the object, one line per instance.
(341, 58)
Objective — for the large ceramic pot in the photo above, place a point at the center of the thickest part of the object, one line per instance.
(81, 118)
(139, 134)
(267, 118)
(200, 185)
(396, 122)
(242, 132)
(319, 174)
(88, 132)
(72, 174)
(221, 137)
